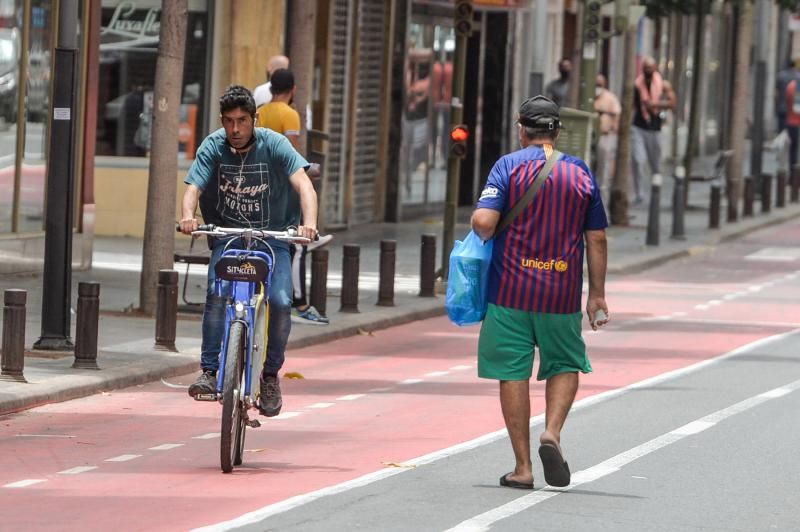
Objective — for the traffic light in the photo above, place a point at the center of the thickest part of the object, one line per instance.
(458, 141)
(592, 20)
(463, 21)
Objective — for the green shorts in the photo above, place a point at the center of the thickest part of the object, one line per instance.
(508, 336)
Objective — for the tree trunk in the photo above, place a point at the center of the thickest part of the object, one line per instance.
(302, 22)
(159, 229)
(692, 139)
(621, 179)
(744, 38)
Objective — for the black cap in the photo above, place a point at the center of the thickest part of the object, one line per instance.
(539, 112)
(281, 81)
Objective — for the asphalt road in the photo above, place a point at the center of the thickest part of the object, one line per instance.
(687, 423)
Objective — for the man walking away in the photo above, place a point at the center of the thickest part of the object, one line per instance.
(262, 93)
(647, 118)
(535, 285)
(558, 89)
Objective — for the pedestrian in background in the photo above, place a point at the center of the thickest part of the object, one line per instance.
(648, 105)
(262, 93)
(608, 108)
(279, 116)
(558, 89)
(535, 284)
(787, 98)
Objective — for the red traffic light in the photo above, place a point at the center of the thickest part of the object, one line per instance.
(459, 134)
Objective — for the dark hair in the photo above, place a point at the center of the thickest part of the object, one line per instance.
(237, 97)
(281, 81)
(540, 134)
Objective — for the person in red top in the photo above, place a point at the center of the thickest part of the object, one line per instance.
(535, 285)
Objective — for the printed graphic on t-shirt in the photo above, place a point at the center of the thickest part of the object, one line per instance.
(244, 193)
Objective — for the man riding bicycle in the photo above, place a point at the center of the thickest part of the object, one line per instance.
(241, 177)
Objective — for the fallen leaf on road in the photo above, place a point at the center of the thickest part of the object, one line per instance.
(364, 333)
(395, 464)
(293, 375)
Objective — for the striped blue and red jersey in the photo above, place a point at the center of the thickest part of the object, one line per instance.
(537, 262)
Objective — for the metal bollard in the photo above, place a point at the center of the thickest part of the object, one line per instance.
(747, 210)
(766, 192)
(386, 273)
(13, 356)
(678, 230)
(427, 266)
(795, 179)
(86, 326)
(653, 215)
(167, 310)
(714, 208)
(780, 195)
(350, 259)
(319, 280)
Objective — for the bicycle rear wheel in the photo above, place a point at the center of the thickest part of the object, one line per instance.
(232, 423)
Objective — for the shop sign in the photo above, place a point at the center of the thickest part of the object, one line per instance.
(131, 27)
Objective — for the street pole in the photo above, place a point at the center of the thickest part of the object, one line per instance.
(592, 24)
(57, 280)
(456, 116)
(759, 89)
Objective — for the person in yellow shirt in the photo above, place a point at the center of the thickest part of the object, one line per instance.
(279, 116)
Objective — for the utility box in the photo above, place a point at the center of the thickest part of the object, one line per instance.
(576, 133)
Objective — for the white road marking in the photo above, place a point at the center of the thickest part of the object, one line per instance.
(728, 297)
(755, 288)
(410, 381)
(437, 374)
(166, 446)
(77, 470)
(25, 483)
(460, 368)
(206, 436)
(287, 415)
(701, 307)
(379, 390)
(485, 520)
(679, 314)
(715, 302)
(300, 500)
(124, 458)
(775, 254)
(777, 392)
(321, 405)
(351, 397)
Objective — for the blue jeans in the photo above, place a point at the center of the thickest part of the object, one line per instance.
(280, 309)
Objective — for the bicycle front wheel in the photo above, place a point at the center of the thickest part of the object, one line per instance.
(231, 431)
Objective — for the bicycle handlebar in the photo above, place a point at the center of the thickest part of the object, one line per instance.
(289, 235)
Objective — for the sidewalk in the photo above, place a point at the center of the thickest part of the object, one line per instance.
(127, 356)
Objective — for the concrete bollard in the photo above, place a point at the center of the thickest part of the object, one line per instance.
(766, 193)
(795, 190)
(86, 326)
(427, 266)
(13, 356)
(319, 280)
(166, 310)
(386, 273)
(350, 264)
(653, 214)
(780, 193)
(714, 207)
(747, 210)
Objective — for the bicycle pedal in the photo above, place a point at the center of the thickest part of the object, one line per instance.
(254, 423)
(205, 397)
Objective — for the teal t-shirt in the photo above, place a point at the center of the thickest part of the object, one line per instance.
(249, 189)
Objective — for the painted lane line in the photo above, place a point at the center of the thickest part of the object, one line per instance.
(257, 516)
(124, 458)
(206, 436)
(680, 314)
(738, 323)
(411, 381)
(702, 307)
(379, 390)
(715, 302)
(777, 392)
(485, 520)
(321, 405)
(460, 368)
(25, 483)
(351, 397)
(77, 470)
(754, 288)
(729, 297)
(437, 374)
(287, 415)
(165, 447)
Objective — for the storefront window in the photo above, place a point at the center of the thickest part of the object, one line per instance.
(10, 45)
(128, 53)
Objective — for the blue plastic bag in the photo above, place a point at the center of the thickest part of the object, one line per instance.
(468, 279)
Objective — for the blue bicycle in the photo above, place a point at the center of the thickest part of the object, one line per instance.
(244, 345)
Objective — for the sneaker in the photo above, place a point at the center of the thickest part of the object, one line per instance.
(322, 241)
(205, 383)
(270, 401)
(310, 315)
